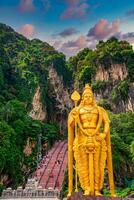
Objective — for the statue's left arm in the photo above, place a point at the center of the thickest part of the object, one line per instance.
(105, 122)
(106, 132)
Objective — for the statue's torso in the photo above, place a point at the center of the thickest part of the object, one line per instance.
(89, 117)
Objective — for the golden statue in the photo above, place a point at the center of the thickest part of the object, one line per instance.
(89, 144)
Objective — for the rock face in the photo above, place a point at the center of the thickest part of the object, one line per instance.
(29, 147)
(38, 112)
(59, 101)
(127, 106)
(61, 97)
(114, 74)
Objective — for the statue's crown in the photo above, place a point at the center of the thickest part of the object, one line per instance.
(87, 89)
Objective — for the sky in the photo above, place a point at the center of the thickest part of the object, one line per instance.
(70, 25)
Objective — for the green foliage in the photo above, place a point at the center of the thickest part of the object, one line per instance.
(106, 54)
(59, 63)
(113, 51)
(99, 85)
(119, 192)
(132, 150)
(131, 70)
(105, 104)
(50, 133)
(122, 134)
(86, 74)
(23, 67)
(120, 91)
(83, 66)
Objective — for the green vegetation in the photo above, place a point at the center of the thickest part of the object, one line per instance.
(22, 69)
(120, 91)
(105, 104)
(122, 136)
(83, 66)
(107, 56)
(15, 129)
(99, 85)
(113, 51)
(120, 192)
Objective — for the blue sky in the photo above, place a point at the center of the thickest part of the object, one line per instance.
(70, 25)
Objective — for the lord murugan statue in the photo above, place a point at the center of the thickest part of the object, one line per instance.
(89, 145)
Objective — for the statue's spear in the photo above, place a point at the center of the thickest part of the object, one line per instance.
(76, 97)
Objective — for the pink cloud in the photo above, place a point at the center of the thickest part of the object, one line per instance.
(126, 36)
(103, 29)
(67, 32)
(75, 8)
(74, 46)
(28, 30)
(81, 42)
(129, 37)
(57, 44)
(26, 6)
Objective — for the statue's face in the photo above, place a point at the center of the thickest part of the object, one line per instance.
(88, 99)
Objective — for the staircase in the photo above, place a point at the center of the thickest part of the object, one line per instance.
(47, 180)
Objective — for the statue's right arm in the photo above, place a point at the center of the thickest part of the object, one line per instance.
(71, 132)
(71, 117)
(71, 127)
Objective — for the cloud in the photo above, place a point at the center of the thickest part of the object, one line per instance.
(130, 13)
(67, 32)
(81, 42)
(126, 36)
(26, 6)
(75, 9)
(74, 46)
(103, 29)
(28, 30)
(57, 44)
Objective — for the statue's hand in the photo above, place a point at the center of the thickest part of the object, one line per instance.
(101, 137)
(73, 115)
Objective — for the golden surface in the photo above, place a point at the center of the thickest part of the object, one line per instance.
(89, 145)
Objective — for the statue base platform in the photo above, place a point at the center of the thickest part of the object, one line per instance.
(80, 196)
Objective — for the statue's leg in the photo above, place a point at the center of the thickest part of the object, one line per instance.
(103, 156)
(97, 171)
(82, 167)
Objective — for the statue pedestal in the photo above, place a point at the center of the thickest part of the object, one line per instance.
(80, 196)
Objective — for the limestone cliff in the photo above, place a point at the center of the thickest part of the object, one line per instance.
(38, 111)
(113, 76)
(61, 97)
(58, 102)
(115, 72)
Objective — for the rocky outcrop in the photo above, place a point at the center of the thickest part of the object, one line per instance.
(30, 145)
(38, 112)
(126, 106)
(61, 97)
(112, 76)
(115, 72)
